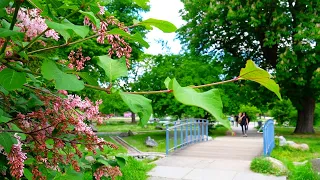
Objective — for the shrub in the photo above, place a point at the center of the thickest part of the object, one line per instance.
(303, 172)
(284, 111)
(251, 111)
(135, 169)
(262, 165)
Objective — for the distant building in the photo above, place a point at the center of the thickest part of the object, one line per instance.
(127, 114)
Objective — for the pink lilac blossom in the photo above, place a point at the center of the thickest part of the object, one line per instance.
(107, 171)
(16, 159)
(77, 60)
(30, 22)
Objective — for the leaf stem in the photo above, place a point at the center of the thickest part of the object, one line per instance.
(215, 83)
(13, 22)
(63, 45)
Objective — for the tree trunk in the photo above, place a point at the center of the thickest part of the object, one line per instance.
(133, 118)
(306, 116)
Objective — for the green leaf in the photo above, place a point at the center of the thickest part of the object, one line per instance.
(92, 17)
(4, 119)
(6, 141)
(63, 80)
(87, 78)
(136, 37)
(164, 26)
(142, 3)
(139, 105)
(3, 90)
(4, 3)
(121, 161)
(11, 79)
(16, 128)
(49, 143)
(34, 101)
(113, 68)
(102, 161)
(94, 8)
(256, 74)
(167, 83)
(209, 100)
(8, 33)
(27, 173)
(36, 4)
(66, 6)
(82, 31)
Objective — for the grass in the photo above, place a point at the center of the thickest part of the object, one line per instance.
(133, 170)
(138, 141)
(218, 130)
(122, 126)
(288, 155)
(111, 151)
(262, 165)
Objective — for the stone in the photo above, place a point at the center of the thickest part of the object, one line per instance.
(290, 142)
(278, 165)
(282, 141)
(151, 142)
(151, 158)
(130, 133)
(294, 145)
(304, 147)
(124, 134)
(300, 163)
(160, 127)
(316, 165)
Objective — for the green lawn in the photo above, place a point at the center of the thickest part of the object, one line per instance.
(288, 155)
(138, 140)
(124, 127)
(111, 151)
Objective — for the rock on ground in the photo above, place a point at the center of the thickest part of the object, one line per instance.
(316, 164)
(278, 164)
(151, 142)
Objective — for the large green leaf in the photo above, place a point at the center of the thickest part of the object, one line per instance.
(63, 80)
(7, 33)
(142, 3)
(87, 78)
(27, 173)
(113, 68)
(6, 141)
(254, 73)
(164, 26)
(11, 79)
(4, 3)
(82, 31)
(209, 100)
(36, 4)
(136, 37)
(139, 105)
(92, 17)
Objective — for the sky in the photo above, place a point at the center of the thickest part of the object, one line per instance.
(164, 10)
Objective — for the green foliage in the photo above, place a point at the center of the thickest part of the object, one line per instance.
(142, 3)
(283, 111)
(210, 100)
(254, 73)
(63, 81)
(303, 172)
(6, 141)
(237, 30)
(139, 105)
(135, 170)
(317, 115)
(262, 165)
(251, 111)
(164, 26)
(11, 79)
(114, 69)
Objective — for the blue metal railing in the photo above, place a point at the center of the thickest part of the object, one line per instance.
(268, 137)
(191, 131)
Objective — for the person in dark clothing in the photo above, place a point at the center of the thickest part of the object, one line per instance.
(236, 119)
(244, 124)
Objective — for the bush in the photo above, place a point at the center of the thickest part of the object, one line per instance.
(251, 111)
(304, 172)
(284, 111)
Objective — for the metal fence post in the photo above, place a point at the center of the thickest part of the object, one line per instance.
(202, 125)
(167, 139)
(181, 135)
(207, 129)
(187, 139)
(195, 131)
(199, 131)
(190, 131)
(175, 135)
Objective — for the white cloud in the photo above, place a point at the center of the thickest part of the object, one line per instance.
(165, 10)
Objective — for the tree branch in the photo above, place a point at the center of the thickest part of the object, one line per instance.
(13, 22)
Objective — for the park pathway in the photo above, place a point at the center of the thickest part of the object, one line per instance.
(223, 158)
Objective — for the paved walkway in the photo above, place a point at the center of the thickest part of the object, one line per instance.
(223, 158)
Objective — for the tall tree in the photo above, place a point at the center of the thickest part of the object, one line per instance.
(282, 36)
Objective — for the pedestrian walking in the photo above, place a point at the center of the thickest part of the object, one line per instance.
(244, 124)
